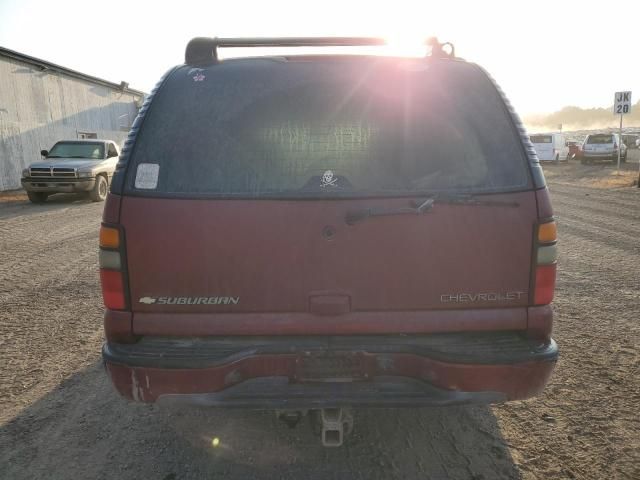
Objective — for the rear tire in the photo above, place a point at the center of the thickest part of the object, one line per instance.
(37, 197)
(100, 189)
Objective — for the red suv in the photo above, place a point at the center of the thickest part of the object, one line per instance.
(317, 232)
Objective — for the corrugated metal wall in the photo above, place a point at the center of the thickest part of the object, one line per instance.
(38, 108)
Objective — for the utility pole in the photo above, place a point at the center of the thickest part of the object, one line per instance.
(620, 146)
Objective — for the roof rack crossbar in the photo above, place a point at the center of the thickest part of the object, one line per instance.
(299, 42)
(202, 51)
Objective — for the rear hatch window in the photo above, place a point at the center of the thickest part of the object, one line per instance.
(541, 139)
(600, 139)
(265, 128)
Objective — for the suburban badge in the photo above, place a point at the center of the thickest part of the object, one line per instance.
(190, 300)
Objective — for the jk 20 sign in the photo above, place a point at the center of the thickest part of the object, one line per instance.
(622, 103)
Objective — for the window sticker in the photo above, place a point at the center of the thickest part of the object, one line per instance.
(196, 74)
(328, 180)
(147, 176)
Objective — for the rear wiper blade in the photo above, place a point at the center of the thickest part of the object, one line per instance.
(358, 216)
(420, 207)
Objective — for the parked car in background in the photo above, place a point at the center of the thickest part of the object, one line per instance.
(72, 166)
(631, 140)
(283, 233)
(603, 146)
(550, 147)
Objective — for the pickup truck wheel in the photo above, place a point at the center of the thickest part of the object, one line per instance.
(100, 189)
(37, 197)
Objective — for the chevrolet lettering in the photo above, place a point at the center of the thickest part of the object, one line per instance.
(481, 297)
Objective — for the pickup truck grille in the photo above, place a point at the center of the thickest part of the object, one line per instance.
(52, 172)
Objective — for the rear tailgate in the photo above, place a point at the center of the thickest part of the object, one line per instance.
(276, 256)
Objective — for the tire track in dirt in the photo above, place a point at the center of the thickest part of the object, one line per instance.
(569, 202)
(624, 198)
(43, 230)
(46, 265)
(615, 228)
(607, 222)
(50, 303)
(582, 227)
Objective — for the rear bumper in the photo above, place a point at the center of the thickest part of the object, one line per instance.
(601, 155)
(322, 372)
(58, 185)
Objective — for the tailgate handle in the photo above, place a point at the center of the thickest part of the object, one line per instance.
(329, 304)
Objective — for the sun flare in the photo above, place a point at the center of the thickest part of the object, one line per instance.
(406, 44)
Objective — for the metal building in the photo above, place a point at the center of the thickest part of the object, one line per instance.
(41, 103)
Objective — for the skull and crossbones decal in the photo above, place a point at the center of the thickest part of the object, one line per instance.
(328, 180)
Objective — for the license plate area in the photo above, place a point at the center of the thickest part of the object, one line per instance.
(332, 367)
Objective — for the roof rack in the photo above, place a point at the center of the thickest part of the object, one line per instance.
(203, 51)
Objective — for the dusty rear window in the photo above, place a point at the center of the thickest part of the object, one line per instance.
(541, 139)
(265, 128)
(596, 139)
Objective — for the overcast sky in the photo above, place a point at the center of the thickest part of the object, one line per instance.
(545, 54)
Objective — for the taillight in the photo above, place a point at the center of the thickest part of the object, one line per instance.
(112, 275)
(109, 237)
(112, 289)
(545, 263)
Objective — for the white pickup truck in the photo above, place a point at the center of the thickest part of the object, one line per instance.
(72, 166)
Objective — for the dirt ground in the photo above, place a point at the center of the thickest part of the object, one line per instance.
(60, 418)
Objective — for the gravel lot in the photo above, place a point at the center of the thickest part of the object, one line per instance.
(60, 418)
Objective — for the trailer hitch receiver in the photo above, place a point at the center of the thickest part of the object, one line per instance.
(336, 424)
